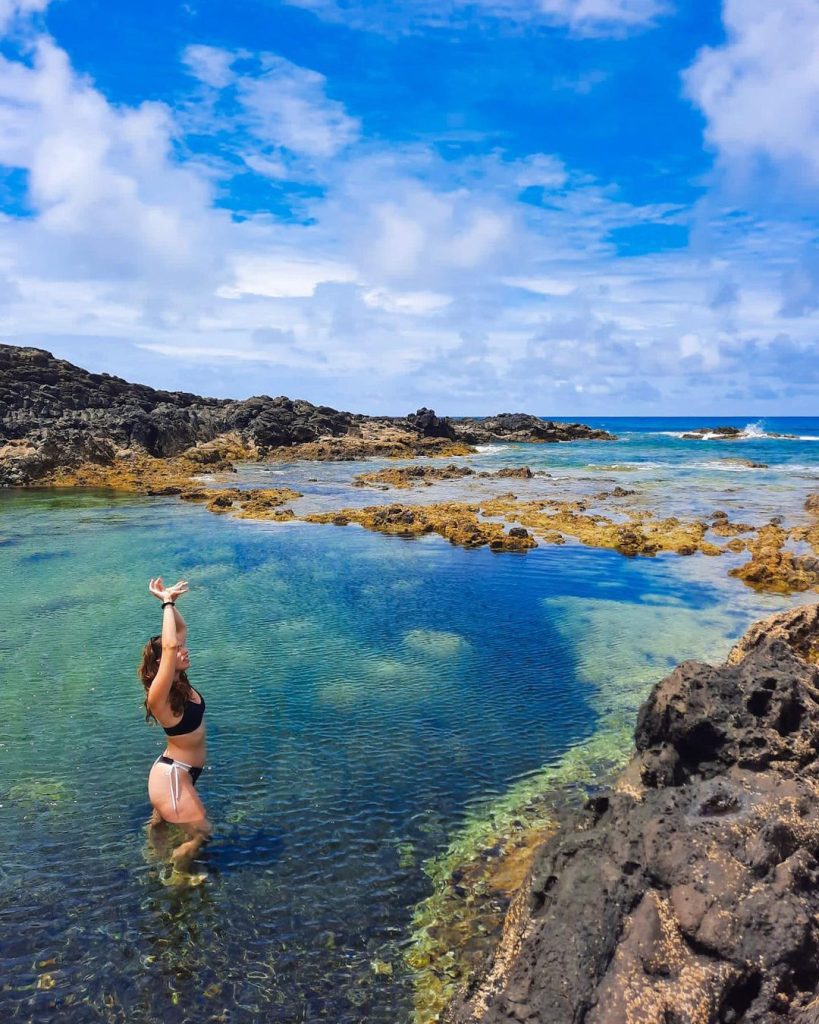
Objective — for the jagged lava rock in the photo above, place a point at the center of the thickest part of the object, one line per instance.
(427, 424)
(39, 393)
(56, 417)
(688, 892)
(522, 427)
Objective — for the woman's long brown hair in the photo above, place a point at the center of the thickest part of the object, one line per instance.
(148, 668)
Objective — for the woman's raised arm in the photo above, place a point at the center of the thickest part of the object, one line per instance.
(181, 626)
(161, 685)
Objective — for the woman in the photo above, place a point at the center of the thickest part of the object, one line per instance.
(172, 701)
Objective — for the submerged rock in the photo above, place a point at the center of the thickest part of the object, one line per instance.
(689, 892)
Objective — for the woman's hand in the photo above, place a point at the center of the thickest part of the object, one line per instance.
(157, 588)
(163, 593)
(179, 588)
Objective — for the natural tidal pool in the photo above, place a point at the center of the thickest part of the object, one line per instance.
(367, 698)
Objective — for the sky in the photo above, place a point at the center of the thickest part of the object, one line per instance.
(566, 207)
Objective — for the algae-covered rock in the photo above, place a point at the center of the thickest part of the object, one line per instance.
(775, 569)
(455, 521)
(797, 627)
(723, 527)
(406, 476)
(39, 794)
(254, 503)
(641, 534)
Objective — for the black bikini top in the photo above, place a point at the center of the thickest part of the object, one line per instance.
(191, 718)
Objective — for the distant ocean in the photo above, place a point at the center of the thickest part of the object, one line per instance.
(367, 696)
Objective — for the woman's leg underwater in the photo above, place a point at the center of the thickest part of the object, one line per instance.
(198, 834)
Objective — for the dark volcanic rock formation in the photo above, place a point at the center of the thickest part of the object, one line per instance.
(518, 426)
(55, 417)
(42, 395)
(722, 434)
(427, 424)
(688, 893)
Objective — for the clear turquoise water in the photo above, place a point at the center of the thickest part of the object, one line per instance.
(364, 695)
(670, 475)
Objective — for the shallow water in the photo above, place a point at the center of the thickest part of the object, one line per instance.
(669, 474)
(367, 696)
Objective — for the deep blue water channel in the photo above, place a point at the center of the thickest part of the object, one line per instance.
(363, 692)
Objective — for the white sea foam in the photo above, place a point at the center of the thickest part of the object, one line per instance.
(715, 465)
(624, 464)
(490, 449)
(725, 466)
(753, 430)
(750, 432)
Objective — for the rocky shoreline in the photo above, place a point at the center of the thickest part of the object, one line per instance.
(61, 426)
(686, 891)
(56, 418)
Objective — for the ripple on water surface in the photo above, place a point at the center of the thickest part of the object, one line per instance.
(364, 694)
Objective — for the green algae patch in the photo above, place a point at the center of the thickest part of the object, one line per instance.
(39, 794)
(436, 644)
(455, 930)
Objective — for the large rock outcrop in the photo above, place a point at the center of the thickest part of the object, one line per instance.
(56, 417)
(41, 396)
(689, 892)
(521, 427)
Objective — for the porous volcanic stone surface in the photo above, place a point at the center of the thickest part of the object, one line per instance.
(688, 893)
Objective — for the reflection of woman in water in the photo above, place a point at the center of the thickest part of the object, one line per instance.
(171, 700)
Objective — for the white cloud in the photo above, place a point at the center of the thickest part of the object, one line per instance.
(542, 285)
(210, 65)
(759, 91)
(283, 105)
(412, 220)
(279, 277)
(581, 17)
(407, 279)
(289, 108)
(406, 302)
(110, 201)
(602, 17)
(268, 166)
(14, 9)
(541, 171)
